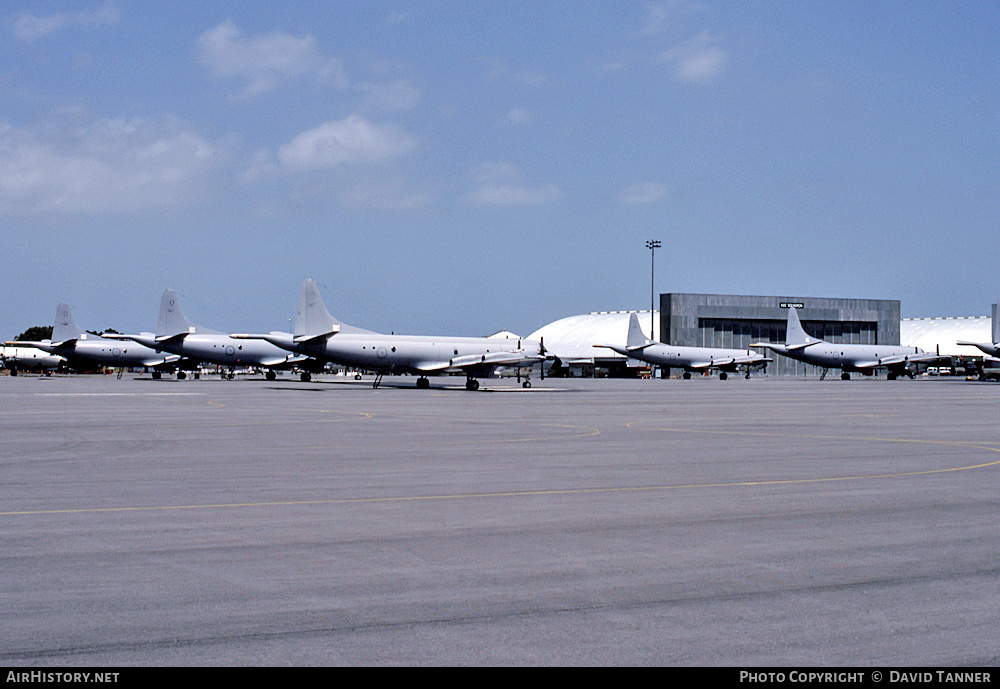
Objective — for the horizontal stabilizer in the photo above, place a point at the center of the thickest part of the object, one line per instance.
(320, 337)
(177, 337)
(68, 343)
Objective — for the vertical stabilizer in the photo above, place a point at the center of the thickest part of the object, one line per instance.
(172, 321)
(635, 335)
(795, 334)
(996, 322)
(313, 318)
(64, 327)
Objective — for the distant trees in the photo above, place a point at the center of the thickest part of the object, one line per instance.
(36, 333)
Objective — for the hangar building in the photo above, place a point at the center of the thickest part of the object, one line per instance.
(715, 320)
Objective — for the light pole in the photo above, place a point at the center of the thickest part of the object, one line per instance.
(652, 245)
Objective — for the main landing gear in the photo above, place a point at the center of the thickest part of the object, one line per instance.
(472, 384)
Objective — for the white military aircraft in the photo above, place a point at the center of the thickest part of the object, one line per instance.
(989, 348)
(862, 358)
(83, 350)
(691, 359)
(18, 357)
(179, 336)
(318, 334)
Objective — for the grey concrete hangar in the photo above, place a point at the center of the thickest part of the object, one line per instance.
(721, 320)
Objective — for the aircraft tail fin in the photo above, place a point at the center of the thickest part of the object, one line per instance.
(312, 318)
(795, 334)
(172, 321)
(64, 327)
(636, 337)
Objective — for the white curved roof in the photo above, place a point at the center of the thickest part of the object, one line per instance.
(573, 338)
(931, 333)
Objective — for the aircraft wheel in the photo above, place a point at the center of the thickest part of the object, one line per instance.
(156, 375)
(526, 384)
(472, 384)
(181, 375)
(723, 376)
(686, 375)
(305, 376)
(270, 375)
(423, 383)
(845, 376)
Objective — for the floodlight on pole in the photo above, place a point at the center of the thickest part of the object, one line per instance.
(652, 245)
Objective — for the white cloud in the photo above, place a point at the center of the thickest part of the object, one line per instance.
(395, 95)
(382, 195)
(502, 184)
(697, 60)
(350, 140)
(641, 194)
(265, 60)
(109, 166)
(29, 28)
(519, 116)
(657, 20)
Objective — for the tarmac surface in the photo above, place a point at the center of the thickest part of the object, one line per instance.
(762, 522)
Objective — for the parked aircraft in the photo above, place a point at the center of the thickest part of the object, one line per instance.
(83, 350)
(318, 334)
(989, 348)
(863, 358)
(179, 336)
(17, 357)
(691, 359)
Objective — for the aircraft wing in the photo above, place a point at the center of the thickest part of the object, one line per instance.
(730, 361)
(901, 359)
(159, 361)
(282, 361)
(710, 364)
(472, 361)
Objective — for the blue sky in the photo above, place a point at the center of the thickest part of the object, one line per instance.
(466, 167)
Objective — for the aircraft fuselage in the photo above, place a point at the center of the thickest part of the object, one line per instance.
(693, 358)
(422, 355)
(848, 357)
(219, 349)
